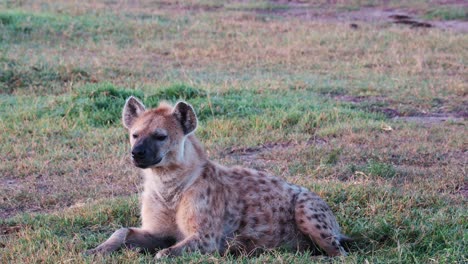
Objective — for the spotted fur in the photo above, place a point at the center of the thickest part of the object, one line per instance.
(190, 203)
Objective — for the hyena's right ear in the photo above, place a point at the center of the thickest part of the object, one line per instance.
(132, 109)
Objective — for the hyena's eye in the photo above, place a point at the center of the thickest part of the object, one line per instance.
(135, 136)
(160, 137)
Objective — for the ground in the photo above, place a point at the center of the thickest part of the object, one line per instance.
(364, 102)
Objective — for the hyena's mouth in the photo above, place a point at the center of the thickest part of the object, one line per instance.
(143, 164)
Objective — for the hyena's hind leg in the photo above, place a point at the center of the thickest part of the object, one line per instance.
(132, 238)
(315, 219)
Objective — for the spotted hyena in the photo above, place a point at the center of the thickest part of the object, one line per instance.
(190, 203)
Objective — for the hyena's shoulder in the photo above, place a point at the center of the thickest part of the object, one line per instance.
(239, 184)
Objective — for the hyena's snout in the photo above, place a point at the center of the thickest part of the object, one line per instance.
(139, 153)
(144, 155)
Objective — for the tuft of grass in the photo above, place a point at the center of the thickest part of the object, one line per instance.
(18, 22)
(333, 157)
(97, 104)
(375, 168)
(176, 92)
(380, 169)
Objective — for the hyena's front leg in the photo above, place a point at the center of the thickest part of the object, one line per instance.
(132, 238)
(203, 244)
(203, 226)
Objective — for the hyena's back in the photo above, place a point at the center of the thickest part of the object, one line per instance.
(263, 211)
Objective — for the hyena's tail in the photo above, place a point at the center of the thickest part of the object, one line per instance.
(315, 220)
(346, 239)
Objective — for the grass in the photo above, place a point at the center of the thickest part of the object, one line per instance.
(312, 98)
(448, 13)
(258, 6)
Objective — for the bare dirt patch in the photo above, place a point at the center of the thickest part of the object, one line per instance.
(37, 193)
(464, 190)
(254, 156)
(432, 118)
(404, 17)
(259, 157)
(8, 230)
(251, 152)
(387, 111)
(379, 105)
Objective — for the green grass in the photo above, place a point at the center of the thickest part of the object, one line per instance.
(16, 76)
(376, 169)
(22, 26)
(312, 98)
(257, 6)
(448, 13)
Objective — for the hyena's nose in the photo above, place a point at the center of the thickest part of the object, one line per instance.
(138, 153)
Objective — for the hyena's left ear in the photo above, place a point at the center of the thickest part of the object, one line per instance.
(132, 109)
(186, 116)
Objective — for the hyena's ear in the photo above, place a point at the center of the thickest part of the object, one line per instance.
(132, 109)
(186, 116)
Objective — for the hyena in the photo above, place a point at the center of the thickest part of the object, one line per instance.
(190, 203)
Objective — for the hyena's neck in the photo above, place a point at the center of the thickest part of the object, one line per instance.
(168, 183)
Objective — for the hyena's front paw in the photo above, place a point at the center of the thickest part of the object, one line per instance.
(163, 253)
(97, 251)
(90, 252)
(113, 243)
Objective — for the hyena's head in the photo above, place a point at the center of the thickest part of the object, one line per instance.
(157, 135)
